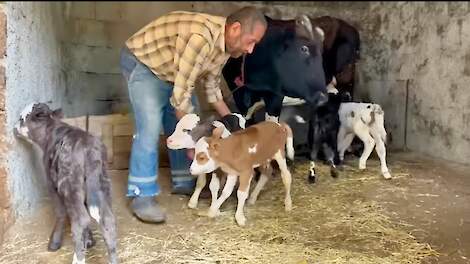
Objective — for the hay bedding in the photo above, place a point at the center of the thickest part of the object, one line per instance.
(331, 222)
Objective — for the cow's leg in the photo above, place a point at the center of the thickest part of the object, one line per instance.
(214, 186)
(228, 188)
(55, 240)
(266, 172)
(242, 194)
(363, 133)
(381, 152)
(108, 228)
(286, 179)
(344, 140)
(200, 183)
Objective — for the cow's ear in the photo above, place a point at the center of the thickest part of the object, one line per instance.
(58, 113)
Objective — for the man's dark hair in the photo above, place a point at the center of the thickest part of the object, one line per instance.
(247, 17)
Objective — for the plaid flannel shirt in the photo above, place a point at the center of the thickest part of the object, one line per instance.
(181, 47)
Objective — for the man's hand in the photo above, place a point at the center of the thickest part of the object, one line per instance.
(221, 108)
(179, 114)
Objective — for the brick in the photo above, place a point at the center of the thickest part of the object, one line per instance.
(109, 11)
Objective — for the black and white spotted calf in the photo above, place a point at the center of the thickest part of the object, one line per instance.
(75, 164)
(319, 130)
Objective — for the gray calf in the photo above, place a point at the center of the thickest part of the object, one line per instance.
(75, 164)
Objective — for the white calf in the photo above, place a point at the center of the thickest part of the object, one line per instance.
(367, 122)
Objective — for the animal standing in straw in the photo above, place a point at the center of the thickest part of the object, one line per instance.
(239, 154)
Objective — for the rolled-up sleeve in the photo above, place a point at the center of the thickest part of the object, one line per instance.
(190, 66)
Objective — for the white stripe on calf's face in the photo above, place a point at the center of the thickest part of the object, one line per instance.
(181, 139)
(202, 162)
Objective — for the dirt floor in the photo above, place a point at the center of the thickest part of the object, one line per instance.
(422, 215)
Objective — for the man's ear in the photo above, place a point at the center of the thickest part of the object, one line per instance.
(217, 132)
(236, 28)
(58, 113)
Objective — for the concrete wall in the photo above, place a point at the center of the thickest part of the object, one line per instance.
(66, 54)
(34, 72)
(415, 63)
(95, 33)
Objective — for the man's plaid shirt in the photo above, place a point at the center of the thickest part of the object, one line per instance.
(180, 48)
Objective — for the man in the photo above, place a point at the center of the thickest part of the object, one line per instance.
(161, 63)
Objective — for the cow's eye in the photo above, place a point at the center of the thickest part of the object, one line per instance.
(304, 49)
(186, 130)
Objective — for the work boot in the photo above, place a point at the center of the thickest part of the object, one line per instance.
(147, 209)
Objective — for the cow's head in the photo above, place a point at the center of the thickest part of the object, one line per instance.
(300, 63)
(33, 121)
(181, 137)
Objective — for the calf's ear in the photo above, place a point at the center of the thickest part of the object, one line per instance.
(217, 132)
(58, 113)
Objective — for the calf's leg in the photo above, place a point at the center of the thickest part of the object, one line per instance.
(108, 228)
(344, 141)
(214, 186)
(200, 183)
(57, 234)
(242, 194)
(381, 152)
(266, 172)
(286, 179)
(228, 188)
(363, 133)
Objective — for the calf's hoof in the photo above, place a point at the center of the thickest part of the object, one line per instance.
(334, 173)
(192, 204)
(288, 205)
(311, 179)
(251, 201)
(213, 213)
(54, 246)
(241, 220)
(387, 175)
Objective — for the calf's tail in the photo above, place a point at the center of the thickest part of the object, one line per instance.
(95, 181)
(289, 142)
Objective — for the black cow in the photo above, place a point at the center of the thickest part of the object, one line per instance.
(286, 62)
(75, 164)
(341, 51)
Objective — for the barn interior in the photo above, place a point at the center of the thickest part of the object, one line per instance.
(415, 63)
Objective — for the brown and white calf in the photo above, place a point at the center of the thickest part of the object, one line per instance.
(189, 130)
(75, 164)
(238, 155)
(367, 122)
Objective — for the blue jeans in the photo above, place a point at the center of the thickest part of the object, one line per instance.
(149, 98)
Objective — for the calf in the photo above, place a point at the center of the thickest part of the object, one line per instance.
(75, 164)
(239, 154)
(189, 130)
(315, 133)
(367, 122)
